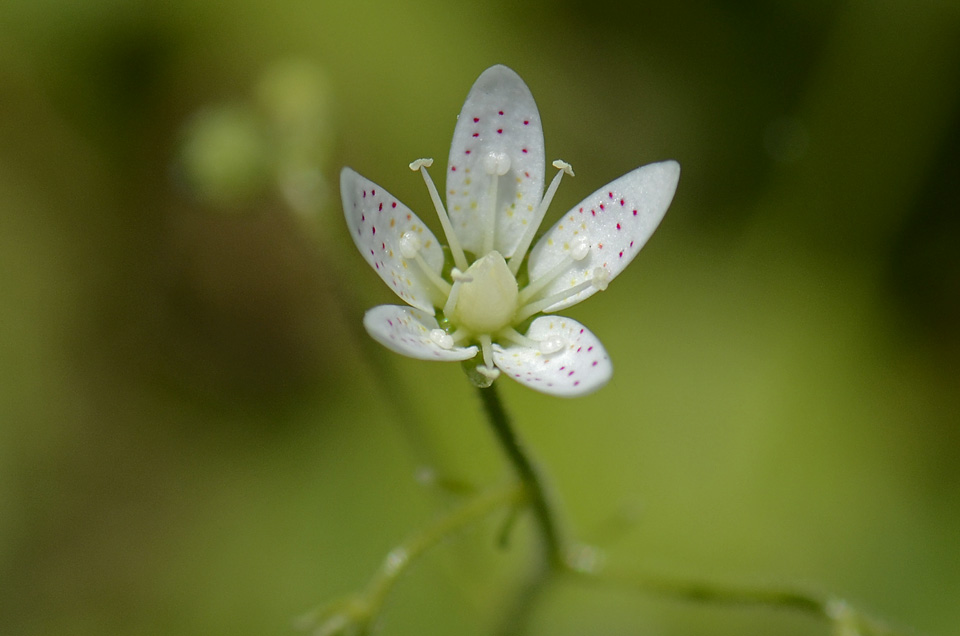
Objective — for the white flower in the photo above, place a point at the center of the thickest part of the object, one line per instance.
(496, 201)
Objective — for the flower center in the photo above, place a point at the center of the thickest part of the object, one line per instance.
(487, 296)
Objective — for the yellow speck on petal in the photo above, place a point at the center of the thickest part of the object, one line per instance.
(549, 241)
(456, 208)
(566, 246)
(519, 195)
(529, 208)
(393, 222)
(473, 205)
(519, 180)
(467, 181)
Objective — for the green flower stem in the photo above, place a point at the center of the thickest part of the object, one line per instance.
(356, 614)
(526, 472)
(846, 620)
(402, 556)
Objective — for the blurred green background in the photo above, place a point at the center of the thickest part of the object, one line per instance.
(197, 438)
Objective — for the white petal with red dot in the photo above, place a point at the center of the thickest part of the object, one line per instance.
(498, 129)
(580, 365)
(377, 222)
(616, 221)
(412, 333)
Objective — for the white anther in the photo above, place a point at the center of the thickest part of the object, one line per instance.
(421, 163)
(491, 373)
(441, 338)
(409, 244)
(496, 163)
(459, 277)
(579, 247)
(551, 344)
(563, 165)
(600, 278)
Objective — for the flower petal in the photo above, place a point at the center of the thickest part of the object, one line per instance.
(377, 221)
(499, 120)
(411, 332)
(578, 367)
(616, 221)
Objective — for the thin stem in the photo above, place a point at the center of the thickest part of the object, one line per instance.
(527, 474)
(831, 609)
(356, 614)
(401, 557)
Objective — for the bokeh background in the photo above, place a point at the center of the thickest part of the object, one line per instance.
(197, 438)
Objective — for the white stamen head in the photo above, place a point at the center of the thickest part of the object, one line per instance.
(442, 338)
(409, 244)
(579, 247)
(489, 372)
(459, 277)
(600, 278)
(551, 344)
(564, 166)
(421, 163)
(496, 163)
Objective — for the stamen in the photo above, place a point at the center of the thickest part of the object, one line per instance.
(410, 250)
(454, 294)
(441, 338)
(600, 280)
(487, 368)
(517, 258)
(516, 337)
(578, 251)
(458, 257)
(495, 164)
(550, 344)
(460, 335)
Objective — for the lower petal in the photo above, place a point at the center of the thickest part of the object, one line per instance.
(413, 333)
(569, 362)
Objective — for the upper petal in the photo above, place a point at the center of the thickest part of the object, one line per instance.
(616, 221)
(377, 221)
(499, 119)
(410, 332)
(578, 367)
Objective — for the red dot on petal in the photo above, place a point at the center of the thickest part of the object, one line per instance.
(500, 112)
(476, 134)
(476, 119)
(393, 205)
(499, 131)
(526, 122)
(634, 213)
